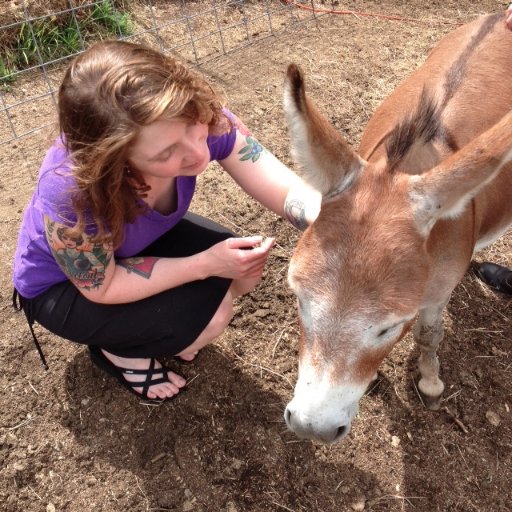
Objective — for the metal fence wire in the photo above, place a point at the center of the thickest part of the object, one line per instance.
(38, 37)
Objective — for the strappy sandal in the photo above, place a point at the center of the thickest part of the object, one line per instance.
(153, 375)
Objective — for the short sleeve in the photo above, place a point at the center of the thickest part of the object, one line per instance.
(221, 146)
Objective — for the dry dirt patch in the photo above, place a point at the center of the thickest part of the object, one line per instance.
(73, 440)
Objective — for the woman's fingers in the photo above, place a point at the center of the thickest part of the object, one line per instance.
(256, 256)
(256, 243)
(246, 242)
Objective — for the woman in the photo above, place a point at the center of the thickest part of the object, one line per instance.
(108, 255)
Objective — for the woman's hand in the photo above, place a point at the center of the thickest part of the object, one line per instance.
(239, 258)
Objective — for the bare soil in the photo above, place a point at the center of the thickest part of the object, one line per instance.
(73, 440)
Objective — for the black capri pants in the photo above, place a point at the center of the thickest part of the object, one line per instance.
(157, 326)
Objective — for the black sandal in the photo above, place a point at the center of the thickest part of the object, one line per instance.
(100, 360)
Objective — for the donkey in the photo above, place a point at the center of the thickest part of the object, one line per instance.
(399, 221)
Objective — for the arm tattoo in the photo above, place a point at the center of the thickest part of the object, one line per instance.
(142, 266)
(83, 261)
(252, 150)
(295, 211)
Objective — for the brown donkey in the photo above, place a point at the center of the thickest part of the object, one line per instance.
(400, 220)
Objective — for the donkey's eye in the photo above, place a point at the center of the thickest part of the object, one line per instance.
(389, 330)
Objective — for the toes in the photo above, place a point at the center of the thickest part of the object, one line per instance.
(167, 389)
(176, 380)
(188, 356)
(162, 391)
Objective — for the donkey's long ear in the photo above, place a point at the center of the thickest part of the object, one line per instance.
(445, 190)
(329, 163)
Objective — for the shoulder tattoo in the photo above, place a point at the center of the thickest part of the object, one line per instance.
(81, 259)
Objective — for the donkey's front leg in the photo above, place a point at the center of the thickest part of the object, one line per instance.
(428, 334)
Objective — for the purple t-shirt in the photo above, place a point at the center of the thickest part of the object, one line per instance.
(35, 268)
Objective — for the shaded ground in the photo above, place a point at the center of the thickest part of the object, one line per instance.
(71, 439)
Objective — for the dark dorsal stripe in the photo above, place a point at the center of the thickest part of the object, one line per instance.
(457, 71)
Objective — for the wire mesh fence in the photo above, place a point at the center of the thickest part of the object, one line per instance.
(38, 38)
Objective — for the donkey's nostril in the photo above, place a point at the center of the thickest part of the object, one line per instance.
(287, 416)
(341, 431)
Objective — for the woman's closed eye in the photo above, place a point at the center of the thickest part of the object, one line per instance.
(164, 156)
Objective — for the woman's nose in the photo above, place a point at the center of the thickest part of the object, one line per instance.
(194, 150)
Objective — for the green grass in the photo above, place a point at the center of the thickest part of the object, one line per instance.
(105, 14)
(59, 36)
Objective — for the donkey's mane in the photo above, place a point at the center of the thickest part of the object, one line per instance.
(424, 124)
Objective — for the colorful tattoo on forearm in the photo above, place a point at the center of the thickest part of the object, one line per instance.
(142, 266)
(295, 211)
(252, 150)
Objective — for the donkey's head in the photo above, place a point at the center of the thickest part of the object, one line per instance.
(361, 270)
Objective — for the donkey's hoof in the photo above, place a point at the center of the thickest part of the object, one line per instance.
(432, 403)
(431, 391)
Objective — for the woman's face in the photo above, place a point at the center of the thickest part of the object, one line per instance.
(166, 149)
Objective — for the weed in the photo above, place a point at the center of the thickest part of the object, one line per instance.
(105, 14)
(47, 39)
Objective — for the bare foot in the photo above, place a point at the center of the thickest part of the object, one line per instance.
(163, 390)
(188, 356)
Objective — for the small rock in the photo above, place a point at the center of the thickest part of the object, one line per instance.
(493, 418)
(50, 507)
(11, 439)
(466, 378)
(231, 507)
(237, 464)
(261, 313)
(18, 466)
(395, 441)
(498, 352)
(91, 481)
(359, 505)
(189, 505)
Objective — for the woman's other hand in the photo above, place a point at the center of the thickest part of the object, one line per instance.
(239, 258)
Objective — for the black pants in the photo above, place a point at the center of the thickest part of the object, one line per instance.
(160, 325)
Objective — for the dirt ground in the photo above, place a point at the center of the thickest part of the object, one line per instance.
(73, 440)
